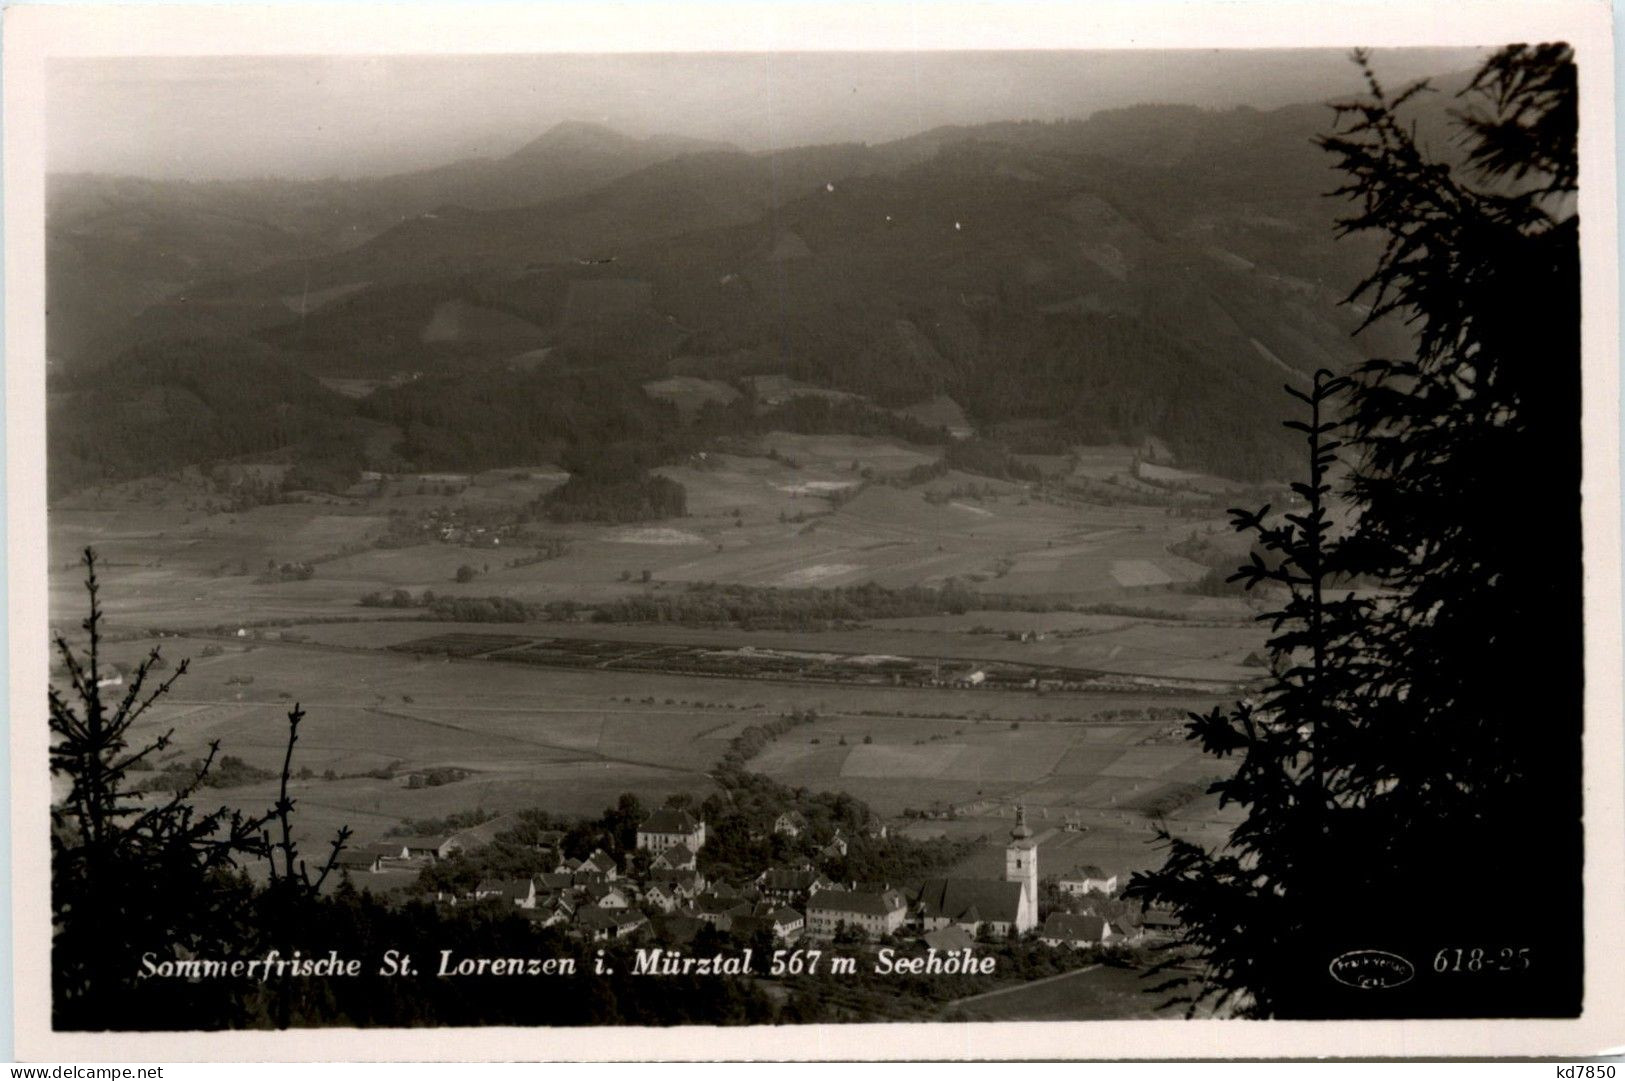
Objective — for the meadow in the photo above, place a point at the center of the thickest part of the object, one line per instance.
(1095, 768)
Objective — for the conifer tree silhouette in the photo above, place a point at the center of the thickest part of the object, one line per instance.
(133, 873)
(1430, 752)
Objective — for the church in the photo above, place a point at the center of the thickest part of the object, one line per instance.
(1007, 907)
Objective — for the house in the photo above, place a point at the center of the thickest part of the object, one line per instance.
(678, 857)
(790, 823)
(971, 677)
(875, 914)
(787, 887)
(948, 939)
(1074, 930)
(835, 849)
(662, 897)
(783, 923)
(520, 891)
(1157, 921)
(735, 893)
(559, 908)
(358, 861)
(604, 895)
(671, 826)
(372, 858)
(568, 866)
(553, 882)
(388, 851)
(1126, 929)
(603, 863)
(548, 914)
(436, 847)
(719, 911)
(688, 884)
(605, 924)
(787, 922)
(1087, 879)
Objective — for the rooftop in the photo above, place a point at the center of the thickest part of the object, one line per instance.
(970, 899)
(1073, 927)
(670, 820)
(860, 902)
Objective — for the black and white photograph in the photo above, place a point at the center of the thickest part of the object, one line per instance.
(782, 542)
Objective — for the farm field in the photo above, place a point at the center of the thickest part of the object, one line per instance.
(1093, 767)
(752, 520)
(1183, 655)
(572, 741)
(1091, 789)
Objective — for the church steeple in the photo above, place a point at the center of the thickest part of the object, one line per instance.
(1022, 831)
(1021, 865)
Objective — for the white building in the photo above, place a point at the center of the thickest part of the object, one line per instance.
(1087, 879)
(875, 914)
(670, 826)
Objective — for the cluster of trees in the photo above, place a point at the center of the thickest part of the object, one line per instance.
(714, 604)
(818, 414)
(434, 778)
(1095, 379)
(707, 604)
(612, 483)
(514, 852)
(162, 406)
(229, 772)
(989, 459)
(455, 609)
(589, 498)
(451, 823)
(490, 419)
(752, 739)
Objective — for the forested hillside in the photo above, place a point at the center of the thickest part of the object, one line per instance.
(1156, 271)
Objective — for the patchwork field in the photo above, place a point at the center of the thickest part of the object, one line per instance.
(264, 599)
(805, 516)
(573, 741)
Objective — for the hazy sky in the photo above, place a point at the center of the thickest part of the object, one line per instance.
(218, 117)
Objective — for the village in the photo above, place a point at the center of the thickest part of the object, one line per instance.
(659, 888)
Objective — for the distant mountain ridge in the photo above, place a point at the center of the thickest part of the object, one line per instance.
(1152, 271)
(117, 244)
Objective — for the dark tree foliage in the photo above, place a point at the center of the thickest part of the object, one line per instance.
(130, 875)
(1253, 910)
(489, 419)
(595, 499)
(611, 483)
(1421, 739)
(1477, 681)
(166, 405)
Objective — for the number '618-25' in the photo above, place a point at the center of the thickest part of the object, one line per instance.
(1482, 959)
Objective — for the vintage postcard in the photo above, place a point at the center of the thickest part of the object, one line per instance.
(804, 532)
